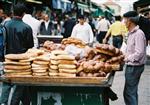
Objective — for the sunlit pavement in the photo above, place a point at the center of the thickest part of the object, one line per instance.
(144, 87)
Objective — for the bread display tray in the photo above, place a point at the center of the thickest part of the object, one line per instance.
(58, 81)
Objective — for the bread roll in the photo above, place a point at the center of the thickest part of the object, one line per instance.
(59, 52)
(72, 71)
(22, 56)
(54, 67)
(17, 63)
(14, 67)
(54, 62)
(67, 62)
(41, 62)
(107, 52)
(67, 75)
(66, 66)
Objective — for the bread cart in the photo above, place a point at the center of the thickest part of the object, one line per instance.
(64, 90)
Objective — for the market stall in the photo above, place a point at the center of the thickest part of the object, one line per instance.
(67, 73)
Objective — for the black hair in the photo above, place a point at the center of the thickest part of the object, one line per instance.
(19, 9)
(133, 16)
(118, 18)
(29, 9)
(81, 17)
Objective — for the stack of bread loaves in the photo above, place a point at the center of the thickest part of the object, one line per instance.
(17, 65)
(40, 65)
(64, 64)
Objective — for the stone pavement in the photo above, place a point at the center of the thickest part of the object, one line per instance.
(144, 87)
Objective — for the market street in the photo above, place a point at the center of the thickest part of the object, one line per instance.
(144, 87)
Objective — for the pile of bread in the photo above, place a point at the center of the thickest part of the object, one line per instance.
(21, 64)
(40, 65)
(95, 62)
(17, 64)
(103, 59)
(77, 42)
(49, 46)
(62, 64)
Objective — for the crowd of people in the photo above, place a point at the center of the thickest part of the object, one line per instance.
(22, 30)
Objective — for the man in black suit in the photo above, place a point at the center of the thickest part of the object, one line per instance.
(47, 26)
(68, 26)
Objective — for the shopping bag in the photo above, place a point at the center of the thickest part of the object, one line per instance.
(148, 50)
(123, 47)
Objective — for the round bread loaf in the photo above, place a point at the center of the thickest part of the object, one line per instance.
(53, 71)
(19, 73)
(65, 57)
(65, 66)
(15, 71)
(54, 67)
(22, 56)
(15, 67)
(54, 62)
(53, 57)
(41, 62)
(40, 74)
(17, 63)
(72, 71)
(53, 74)
(8, 60)
(67, 75)
(39, 70)
(38, 66)
(59, 52)
(42, 58)
(67, 62)
(27, 60)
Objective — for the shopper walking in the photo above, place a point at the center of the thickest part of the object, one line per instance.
(117, 30)
(102, 27)
(83, 31)
(19, 39)
(135, 58)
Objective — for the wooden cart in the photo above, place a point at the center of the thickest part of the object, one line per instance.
(64, 90)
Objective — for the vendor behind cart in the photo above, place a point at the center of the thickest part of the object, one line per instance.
(83, 31)
(18, 40)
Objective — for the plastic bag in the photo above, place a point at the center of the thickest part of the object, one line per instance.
(123, 47)
(148, 50)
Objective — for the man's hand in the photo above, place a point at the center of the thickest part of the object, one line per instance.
(104, 40)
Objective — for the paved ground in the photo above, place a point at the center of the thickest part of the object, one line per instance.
(144, 88)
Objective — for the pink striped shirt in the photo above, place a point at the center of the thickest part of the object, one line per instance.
(136, 47)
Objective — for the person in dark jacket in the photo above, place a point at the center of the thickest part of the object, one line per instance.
(47, 26)
(18, 40)
(68, 26)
